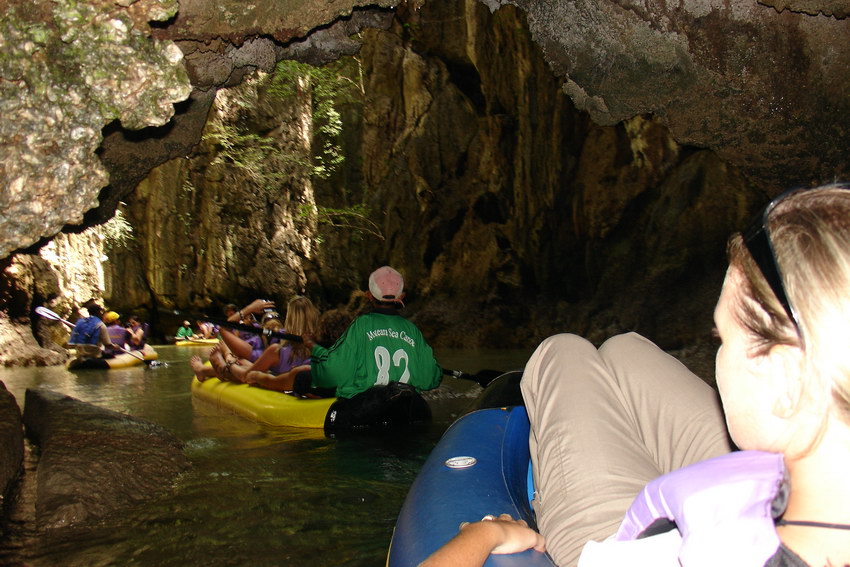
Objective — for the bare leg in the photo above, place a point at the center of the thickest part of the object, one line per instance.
(281, 383)
(201, 370)
(238, 371)
(235, 344)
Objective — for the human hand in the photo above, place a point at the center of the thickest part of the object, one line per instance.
(258, 305)
(509, 535)
(309, 340)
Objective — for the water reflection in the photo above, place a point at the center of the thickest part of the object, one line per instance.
(255, 495)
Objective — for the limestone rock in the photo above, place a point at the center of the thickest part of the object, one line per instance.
(95, 462)
(67, 69)
(740, 78)
(27, 280)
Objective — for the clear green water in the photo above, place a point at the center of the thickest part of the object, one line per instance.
(255, 495)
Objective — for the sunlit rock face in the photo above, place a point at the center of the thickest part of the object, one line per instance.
(27, 278)
(212, 226)
(67, 68)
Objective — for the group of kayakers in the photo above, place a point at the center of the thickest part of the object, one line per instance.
(379, 354)
(206, 330)
(101, 334)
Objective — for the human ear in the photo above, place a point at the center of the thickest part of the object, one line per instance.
(785, 365)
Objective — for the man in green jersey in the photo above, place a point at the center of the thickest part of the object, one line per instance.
(380, 357)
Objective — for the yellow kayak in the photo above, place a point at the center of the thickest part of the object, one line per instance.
(196, 342)
(264, 406)
(122, 360)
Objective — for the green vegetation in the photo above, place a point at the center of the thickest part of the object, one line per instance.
(117, 232)
(294, 149)
(322, 88)
(329, 87)
(355, 218)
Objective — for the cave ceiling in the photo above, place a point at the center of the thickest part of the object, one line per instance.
(88, 89)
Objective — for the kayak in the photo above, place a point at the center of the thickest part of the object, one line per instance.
(122, 360)
(480, 466)
(196, 342)
(383, 407)
(264, 406)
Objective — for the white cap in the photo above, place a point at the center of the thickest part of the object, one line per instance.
(386, 284)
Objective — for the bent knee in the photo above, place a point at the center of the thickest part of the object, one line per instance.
(626, 342)
(556, 353)
(564, 342)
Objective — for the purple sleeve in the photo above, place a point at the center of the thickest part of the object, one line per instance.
(284, 364)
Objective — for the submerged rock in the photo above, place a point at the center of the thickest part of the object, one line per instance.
(95, 462)
(11, 440)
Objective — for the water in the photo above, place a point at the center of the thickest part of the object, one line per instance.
(255, 495)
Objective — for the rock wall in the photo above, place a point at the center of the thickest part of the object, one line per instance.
(68, 68)
(512, 214)
(226, 223)
(455, 147)
(750, 80)
(492, 184)
(27, 280)
(529, 218)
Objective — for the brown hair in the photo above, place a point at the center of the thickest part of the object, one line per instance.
(302, 317)
(810, 232)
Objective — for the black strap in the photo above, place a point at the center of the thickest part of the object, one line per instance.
(783, 522)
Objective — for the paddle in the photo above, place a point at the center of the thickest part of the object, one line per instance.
(48, 314)
(482, 377)
(235, 326)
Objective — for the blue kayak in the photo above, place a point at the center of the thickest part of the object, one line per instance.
(480, 466)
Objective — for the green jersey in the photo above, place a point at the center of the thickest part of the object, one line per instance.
(376, 349)
(184, 333)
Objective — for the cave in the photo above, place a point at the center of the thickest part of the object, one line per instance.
(531, 168)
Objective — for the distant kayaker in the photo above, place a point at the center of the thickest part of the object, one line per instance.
(136, 333)
(89, 333)
(185, 332)
(205, 330)
(606, 422)
(118, 335)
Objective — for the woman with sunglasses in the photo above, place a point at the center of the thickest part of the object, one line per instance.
(630, 454)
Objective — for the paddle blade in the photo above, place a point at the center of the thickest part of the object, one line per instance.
(47, 313)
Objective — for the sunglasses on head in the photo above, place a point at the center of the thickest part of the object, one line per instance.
(758, 242)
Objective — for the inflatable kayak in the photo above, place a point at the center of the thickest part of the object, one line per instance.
(264, 406)
(196, 342)
(122, 360)
(480, 466)
(382, 407)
